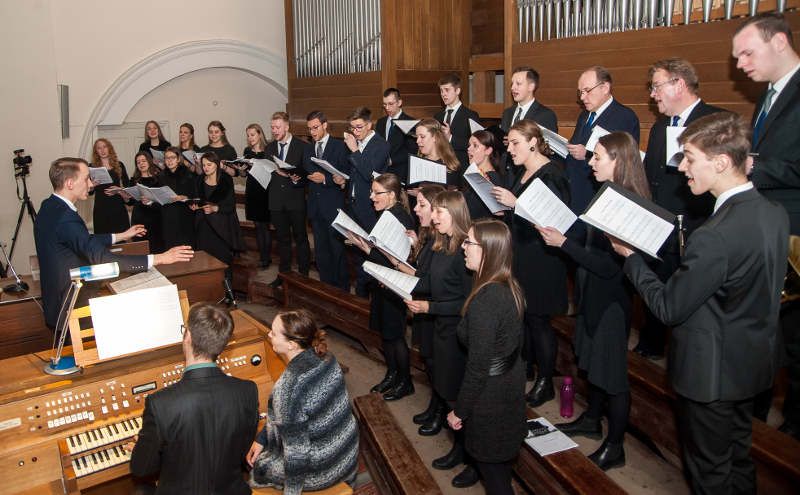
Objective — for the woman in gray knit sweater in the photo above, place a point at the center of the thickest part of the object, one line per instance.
(310, 440)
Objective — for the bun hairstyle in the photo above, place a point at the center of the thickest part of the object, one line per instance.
(299, 326)
(488, 140)
(529, 130)
(391, 183)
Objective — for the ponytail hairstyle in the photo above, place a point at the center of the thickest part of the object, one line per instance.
(453, 202)
(488, 140)
(299, 326)
(442, 148)
(628, 170)
(529, 130)
(429, 192)
(391, 183)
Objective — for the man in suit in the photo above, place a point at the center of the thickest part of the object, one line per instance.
(196, 433)
(455, 117)
(287, 197)
(600, 109)
(369, 153)
(325, 198)
(762, 46)
(400, 144)
(723, 301)
(63, 241)
(674, 87)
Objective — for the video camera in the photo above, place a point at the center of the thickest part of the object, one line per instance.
(22, 163)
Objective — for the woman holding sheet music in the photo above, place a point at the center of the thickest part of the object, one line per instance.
(153, 138)
(218, 143)
(110, 214)
(177, 219)
(256, 203)
(186, 143)
(483, 151)
(434, 146)
(541, 270)
(145, 212)
(604, 314)
(387, 312)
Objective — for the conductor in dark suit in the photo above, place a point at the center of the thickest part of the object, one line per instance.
(196, 433)
(455, 116)
(400, 144)
(723, 303)
(287, 197)
(63, 241)
(325, 198)
(600, 109)
(674, 87)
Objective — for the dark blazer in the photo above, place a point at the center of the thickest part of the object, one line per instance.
(724, 300)
(195, 434)
(459, 130)
(617, 117)
(63, 242)
(325, 199)
(667, 185)
(400, 146)
(776, 171)
(375, 158)
(283, 193)
(536, 112)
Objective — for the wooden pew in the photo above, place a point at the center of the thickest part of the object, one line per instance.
(395, 466)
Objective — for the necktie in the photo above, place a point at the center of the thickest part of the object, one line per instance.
(449, 116)
(319, 149)
(762, 116)
(518, 117)
(675, 120)
(590, 121)
(388, 127)
(283, 146)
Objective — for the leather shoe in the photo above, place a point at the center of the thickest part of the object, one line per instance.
(609, 455)
(541, 392)
(450, 459)
(434, 426)
(276, 283)
(401, 389)
(584, 425)
(427, 415)
(386, 383)
(466, 478)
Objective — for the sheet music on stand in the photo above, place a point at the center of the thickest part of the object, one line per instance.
(100, 175)
(145, 280)
(556, 142)
(390, 235)
(674, 148)
(483, 188)
(630, 218)
(398, 282)
(330, 168)
(540, 206)
(422, 170)
(136, 321)
(261, 170)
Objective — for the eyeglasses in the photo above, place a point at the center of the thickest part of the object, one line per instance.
(583, 92)
(656, 86)
(314, 128)
(468, 243)
(357, 127)
(377, 193)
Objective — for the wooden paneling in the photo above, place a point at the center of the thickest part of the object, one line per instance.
(487, 26)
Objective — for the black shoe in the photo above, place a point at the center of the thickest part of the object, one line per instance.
(386, 383)
(647, 354)
(450, 459)
(434, 426)
(401, 389)
(790, 429)
(609, 455)
(427, 415)
(466, 478)
(584, 425)
(541, 392)
(276, 283)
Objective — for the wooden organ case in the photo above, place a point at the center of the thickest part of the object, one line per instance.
(65, 434)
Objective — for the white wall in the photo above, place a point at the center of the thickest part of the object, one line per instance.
(90, 44)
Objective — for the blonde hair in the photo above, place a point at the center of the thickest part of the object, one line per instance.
(391, 183)
(262, 140)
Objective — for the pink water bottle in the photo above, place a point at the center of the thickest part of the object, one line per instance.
(567, 397)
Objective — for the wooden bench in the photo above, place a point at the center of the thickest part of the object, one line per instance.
(395, 466)
(339, 489)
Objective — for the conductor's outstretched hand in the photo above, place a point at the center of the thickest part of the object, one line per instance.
(174, 255)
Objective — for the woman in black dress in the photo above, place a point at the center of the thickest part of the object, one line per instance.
(490, 409)
(154, 138)
(218, 143)
(387, 312)
(146, 212)
(256, 205)
(110, 216)
(434, 146)
(216, 223)
(177, 219)
(186, 143)
(604, 312)
(541, 270)
(483, 152)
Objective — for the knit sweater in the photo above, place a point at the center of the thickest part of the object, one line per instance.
(311, 438)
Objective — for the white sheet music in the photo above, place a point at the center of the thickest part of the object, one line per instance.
(136, 321)
(100, 175)
(405, 125)
(241, 160)
(330, 168)
(483, 188)
(556, 142)
(555, 441)
(674, 149)
(134, 192)
(398, 282)
(163, 195)
(474, 126)
(282, 164)
(540, 206)
(192, 157)
(344, 224)
(422, 170)
(145, 280)
(375, 175)
(390, 235)
(624, 219)
(158, 157)
(597, 133)
(261, 170)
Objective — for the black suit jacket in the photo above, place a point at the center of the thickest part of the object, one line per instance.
(724, 300)
(459, 130)
(667, 185)
(283, 193)
(375, 158)
(776, 171)
(195, 434)
(536, 112)
(64, 242)
(325, 199)
(400, 146)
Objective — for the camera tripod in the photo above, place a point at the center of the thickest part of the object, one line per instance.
(25, 205)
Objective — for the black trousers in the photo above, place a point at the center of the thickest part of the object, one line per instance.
(329, 254)
(291, 224)
(496, 477)
(790, 324)
(264, 240)
(716, 440)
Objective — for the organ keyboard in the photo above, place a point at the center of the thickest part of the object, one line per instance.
(65, 435)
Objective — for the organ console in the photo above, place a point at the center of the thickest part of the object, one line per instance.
(66, 436)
